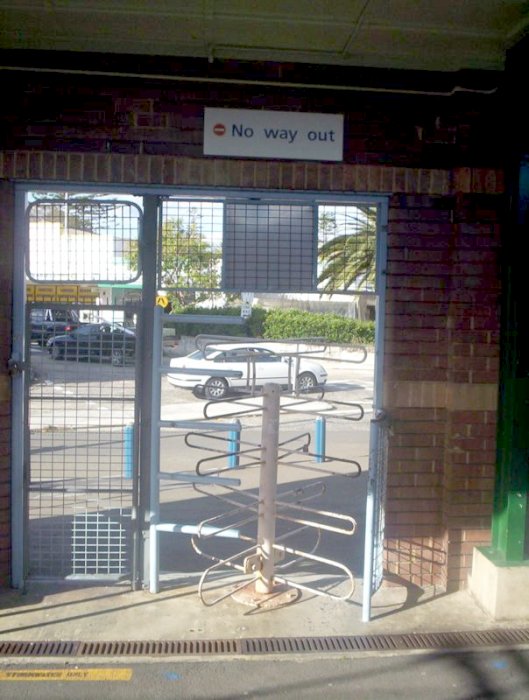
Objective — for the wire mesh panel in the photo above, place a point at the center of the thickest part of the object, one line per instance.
(190, 253)
(237, 246)
(347, 248)
(269, 247)
(79, 240)
(81, 412)
(380, 501)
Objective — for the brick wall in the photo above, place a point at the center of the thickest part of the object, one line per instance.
(442, 372)
(108, 115)
(441, 344)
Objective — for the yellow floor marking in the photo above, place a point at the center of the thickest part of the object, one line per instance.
(70, 674)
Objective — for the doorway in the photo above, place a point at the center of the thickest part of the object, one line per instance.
(85, 496)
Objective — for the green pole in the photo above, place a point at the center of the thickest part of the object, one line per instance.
(509, 523)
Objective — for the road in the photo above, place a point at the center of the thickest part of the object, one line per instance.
(79, 394)
(491, 674)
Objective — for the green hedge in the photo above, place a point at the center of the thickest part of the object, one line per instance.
(276, 324)
(193, 329)
(292, 323)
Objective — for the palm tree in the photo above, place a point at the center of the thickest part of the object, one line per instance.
(347, 255)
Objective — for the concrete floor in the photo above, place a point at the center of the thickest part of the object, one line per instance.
(78, 612)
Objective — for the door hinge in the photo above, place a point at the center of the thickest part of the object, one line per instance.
(16, 366)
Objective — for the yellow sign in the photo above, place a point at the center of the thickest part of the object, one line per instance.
(64, 293)
(162, 301)
(70, 674)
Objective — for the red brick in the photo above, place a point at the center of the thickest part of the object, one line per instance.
(476, 537)
(414, 466)
(417, 440)
(426, 493)
(413, 518)
(298, 176)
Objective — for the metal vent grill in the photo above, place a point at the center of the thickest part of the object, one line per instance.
(99, 545)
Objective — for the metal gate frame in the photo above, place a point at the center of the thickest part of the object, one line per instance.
(151, 202)
(20, 367)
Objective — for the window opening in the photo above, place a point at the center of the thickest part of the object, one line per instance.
(212, 247)
(75, 239)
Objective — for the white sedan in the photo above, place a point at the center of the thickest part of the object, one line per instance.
(212, 372)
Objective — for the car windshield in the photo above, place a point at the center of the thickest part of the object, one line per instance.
(210, 354)
(238, 354)
(38, 315)
(64, 316)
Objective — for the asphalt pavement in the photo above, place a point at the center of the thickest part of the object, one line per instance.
(501, 674)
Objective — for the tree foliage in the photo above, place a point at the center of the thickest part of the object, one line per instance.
(77, 212)
(347, 256)
(189, 266)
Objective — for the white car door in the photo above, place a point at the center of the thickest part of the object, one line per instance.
(269, 367)
(238, 360)
(255, 364)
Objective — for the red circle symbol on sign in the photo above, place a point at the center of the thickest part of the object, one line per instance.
(219, 129)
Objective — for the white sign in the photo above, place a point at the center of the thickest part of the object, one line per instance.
(253, 133)
(246, 304)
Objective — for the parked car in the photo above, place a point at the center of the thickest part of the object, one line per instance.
(46, 323)
(95, 341)
(236, 365)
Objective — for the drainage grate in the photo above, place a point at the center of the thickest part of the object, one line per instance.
(386, 642)
(264, 645)
(197, 647)
(39, 648)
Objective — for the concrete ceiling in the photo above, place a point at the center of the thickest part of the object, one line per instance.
(438, 35)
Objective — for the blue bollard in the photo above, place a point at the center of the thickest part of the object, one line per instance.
(128, 451)
(234, 444)
(319, 438)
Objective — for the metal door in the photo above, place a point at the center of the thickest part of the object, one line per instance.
(80, 431)
(264, 246)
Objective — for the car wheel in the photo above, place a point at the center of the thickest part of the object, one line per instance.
(306, 381)
(215, 388)
(56, 352)
(117, 358)
(198, 391)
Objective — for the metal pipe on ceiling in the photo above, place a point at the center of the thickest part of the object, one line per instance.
(250, 83)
